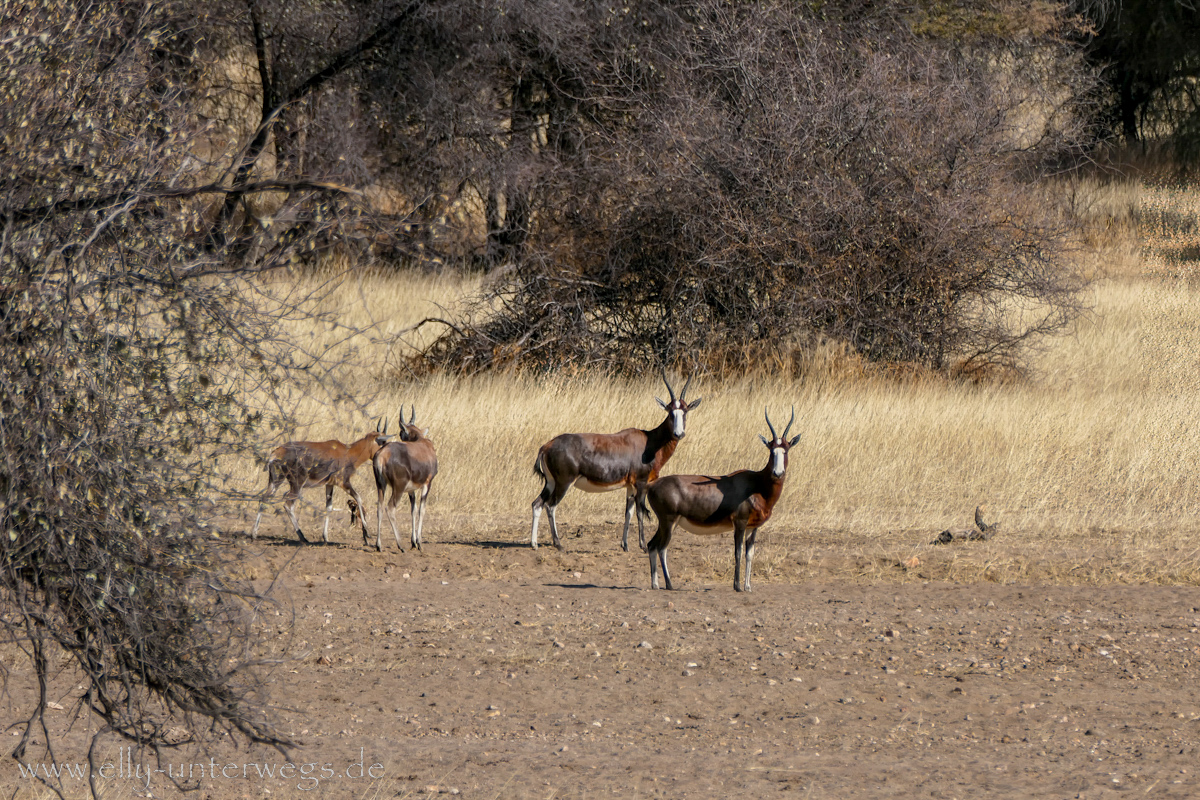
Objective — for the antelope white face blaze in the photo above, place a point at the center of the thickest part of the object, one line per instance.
(677, 421)
(778, 461)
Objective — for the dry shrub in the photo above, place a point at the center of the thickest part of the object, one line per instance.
(792, 181)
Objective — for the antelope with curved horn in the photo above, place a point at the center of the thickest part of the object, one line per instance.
(604, 462)
(307, 464)
(408, 466)
(740, 502)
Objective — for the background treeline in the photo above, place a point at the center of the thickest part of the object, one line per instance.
(718, 186)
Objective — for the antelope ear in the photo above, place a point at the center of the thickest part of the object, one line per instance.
(694, 403)
(764, 440)
(794, 440)
(661, 403)
(425, 433)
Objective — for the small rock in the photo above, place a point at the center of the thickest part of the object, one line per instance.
(646, 646)
(687, 673)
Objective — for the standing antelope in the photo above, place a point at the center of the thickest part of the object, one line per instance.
(409, 467)
(603, 462)
(740, 502)
(307, 464)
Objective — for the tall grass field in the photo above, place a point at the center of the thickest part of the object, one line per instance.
(1091, 463)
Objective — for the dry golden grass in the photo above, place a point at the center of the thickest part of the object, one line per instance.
(1091, 465)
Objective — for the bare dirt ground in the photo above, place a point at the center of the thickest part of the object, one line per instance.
(480, 668)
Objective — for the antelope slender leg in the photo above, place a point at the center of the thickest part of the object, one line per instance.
(658, 548)
(630, 495)
(749, 554)
(328, 511)
(391, 510)
(421, 514)
(412, 511)
(272, 487)
(358, 503)
(289, 505)
(639, 498)
(378, 524)
(554, 527)
(540, 502)
(537, 513)
(739, 540)
(662, 556)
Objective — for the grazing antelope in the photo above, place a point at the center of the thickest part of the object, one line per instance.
(603, 462)
(409, 467)
(740, 502)
(307, 464)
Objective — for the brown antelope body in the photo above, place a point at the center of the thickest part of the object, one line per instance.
(705, 505)
(605, 462)
(408, 466)
(304, 465)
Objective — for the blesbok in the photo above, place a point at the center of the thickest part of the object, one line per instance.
(408, 466)
(604, 462)
(740, 502)
(305, 465)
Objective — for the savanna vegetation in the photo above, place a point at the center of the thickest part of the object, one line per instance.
(957, 237)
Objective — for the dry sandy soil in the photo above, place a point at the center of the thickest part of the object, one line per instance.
(485, 669)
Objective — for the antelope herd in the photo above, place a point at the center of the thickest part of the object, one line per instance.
(632, 459)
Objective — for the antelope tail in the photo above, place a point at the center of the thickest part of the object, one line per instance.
(539, 465)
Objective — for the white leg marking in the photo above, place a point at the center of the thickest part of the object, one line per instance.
(379, 523)
(537, 513)
(421, 515)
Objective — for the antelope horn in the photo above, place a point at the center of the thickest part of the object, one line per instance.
(385, 426)
(774, 435)
(790, 421)
(668, 383)
(412, 417)
(683, 394)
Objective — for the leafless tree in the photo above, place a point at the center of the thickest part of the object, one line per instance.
(788, 177)
(138, 210)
